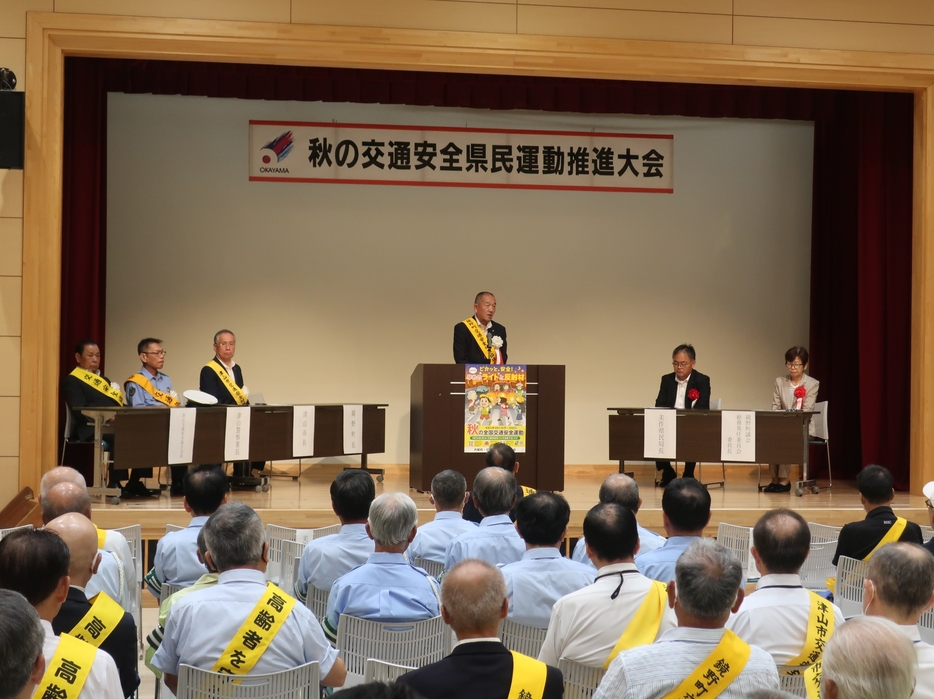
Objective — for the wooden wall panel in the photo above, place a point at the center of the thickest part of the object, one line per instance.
(822, 34)
(886, 11)
(9, 369)
(11, 299)
(444, 15)
(241, 10)
(11, 193)
(9, 418)
(11, 247)
(13, 20)
(9, 471)
(714, 7)
(625, 24)
(13, 56)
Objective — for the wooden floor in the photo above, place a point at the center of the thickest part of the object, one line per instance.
(305, 502)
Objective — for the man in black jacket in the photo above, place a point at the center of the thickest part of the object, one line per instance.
(685, 389)
(480, 340)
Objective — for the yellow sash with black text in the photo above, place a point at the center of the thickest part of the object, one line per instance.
(893, 534)
(254, 636)
(68, 670)
(820, 629)
(717, 671)
(229, 383)
(643, 628)
(528, 677)
(100, 621)
(474, 327)
(101, 536)
(146, 384)
(97, 383)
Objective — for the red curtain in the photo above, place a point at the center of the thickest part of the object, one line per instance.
(861, 230)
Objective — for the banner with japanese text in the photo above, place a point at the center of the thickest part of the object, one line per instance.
(444, 156)
(495, 406)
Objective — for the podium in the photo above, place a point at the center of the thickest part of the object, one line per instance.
(436, 432)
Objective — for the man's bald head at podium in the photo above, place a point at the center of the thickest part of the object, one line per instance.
(484, 307)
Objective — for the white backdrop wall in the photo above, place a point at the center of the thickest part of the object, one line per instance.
(336, 292)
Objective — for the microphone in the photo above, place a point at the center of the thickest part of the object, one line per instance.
(489, 345)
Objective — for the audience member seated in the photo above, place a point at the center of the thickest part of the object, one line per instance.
(21, 661)
(781, 617)
(868, 658)
(543, 576)
(900, 587)
(324, 560)
(860, 540)
(226, 628)
(496, 540)
(176, 560)
(473, 601)
(502, 456)
(115, 631)
(685, 513)
(621, 610)
(35, 562)
(622, 490)
(448, 495)
(708, 585)
(386, 587)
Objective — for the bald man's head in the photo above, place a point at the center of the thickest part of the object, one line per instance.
(473, 597)
(81, 537)
(60, 474)
(64, 498)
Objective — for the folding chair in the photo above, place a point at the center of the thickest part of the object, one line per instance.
(821, 533)
(926, 533)
(523, 639)
(291, 555)
(381, 671)
(715, 404)
(818, 566)
(167, 591)
(821, 436)
(433, 568)
(298, 683)
(317, 601)
(926, 626)
(792, 683)
(848, 592)
(134, 538)
(739, 540)
(4, 532)
(173, 528)
(413, 644)
(580, 681)
(275, 535)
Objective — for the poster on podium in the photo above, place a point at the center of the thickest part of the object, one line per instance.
(495, 406)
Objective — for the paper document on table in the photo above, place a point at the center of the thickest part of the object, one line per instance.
(660, 433)
(181, 435)
(738, 435)
(237, 438)
(353, 429)
(303, 430)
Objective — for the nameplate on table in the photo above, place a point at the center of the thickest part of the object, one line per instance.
(738, 435)
(181, 435)
(303, 431)
(353, 429)
(661, 433)
(237, 436)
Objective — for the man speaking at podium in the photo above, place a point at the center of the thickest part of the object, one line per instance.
(479, 340)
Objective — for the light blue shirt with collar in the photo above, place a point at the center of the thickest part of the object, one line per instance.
(431, 541)
(112, 578)
(385, 588)
(660, 563)
(540, 579)
(176, 560)
(648, 541)
(139, 397)
(324, 560)
(495, 541)
(202, 624)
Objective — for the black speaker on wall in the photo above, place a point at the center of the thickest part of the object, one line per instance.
(12, 129)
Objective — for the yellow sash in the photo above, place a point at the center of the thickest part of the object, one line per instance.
(474, 327)
(820, 629)
(98, 383)
(229, 384)
(256, 633)
(717, 671)
(812, 678)
(528, 677)
(100, 621)
(644, 625)
(68, 670)
(101, 536)
(527, 490)
(163, 398)
(893, 534)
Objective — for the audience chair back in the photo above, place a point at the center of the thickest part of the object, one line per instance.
(317, 601)
(276, 534)
(414, 644)
(926, 626)
(822, 533)
(167, 591)
(433, 568)
(381, 671)
(523, 639)
(4, 532)
(580, 681)
(298, 683)
(173, 528)
(291, 556)
(926, 533)
(793, 684)
(323, 531)
(738, 540)
(134, 538)
(818, 566)
(848, 594)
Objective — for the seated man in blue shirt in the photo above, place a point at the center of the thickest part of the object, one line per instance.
(543, 576)
(386, 587)
(176, 560)
(448, 495)
(324, 560)
(685, 513)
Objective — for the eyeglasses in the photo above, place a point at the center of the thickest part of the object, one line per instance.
(681, 365)
(226, 344)
(793, 366)
(160, 353)
(927, 504)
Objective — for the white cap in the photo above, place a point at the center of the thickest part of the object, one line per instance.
(928, 490)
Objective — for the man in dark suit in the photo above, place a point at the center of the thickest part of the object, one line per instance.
(118, 642)
(85, 387)
(685, 389)
(479, 340)
(473, 601)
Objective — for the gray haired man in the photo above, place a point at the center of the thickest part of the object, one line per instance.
(387, 587)
(868, 658)
(22, 663)
(708, 585)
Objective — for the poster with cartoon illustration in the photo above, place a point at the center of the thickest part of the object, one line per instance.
(495, 406)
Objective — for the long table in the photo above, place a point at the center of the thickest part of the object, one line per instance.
(142, 435)
(781, 438)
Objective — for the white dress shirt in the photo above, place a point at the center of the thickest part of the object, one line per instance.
(432, 539)
(775, 617)
(495, 541)
(540, 579)
(924, 676)
(103, 682)
(324, 560)
(682, 392)
(585, 625)
(115, 542)
(654, 671)
(648, 541)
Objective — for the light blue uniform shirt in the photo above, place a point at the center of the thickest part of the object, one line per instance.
(648, 541)
(660, 563)
(324, 560)
(201, 625)
(431, 541)
(385, 588)
(176, 559)
(495, 541)
(112, 578)
(540, 579)
(139, 397)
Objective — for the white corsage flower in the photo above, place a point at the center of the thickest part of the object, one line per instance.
(497, 342)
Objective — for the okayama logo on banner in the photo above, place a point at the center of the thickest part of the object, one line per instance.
(438, 156)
